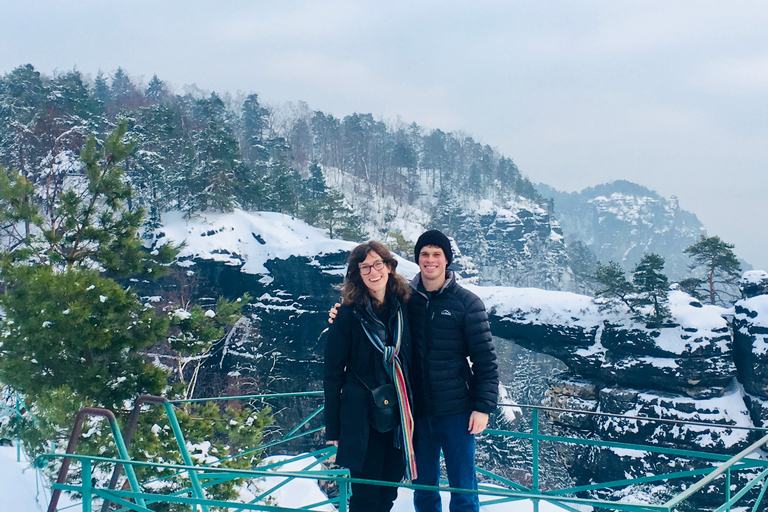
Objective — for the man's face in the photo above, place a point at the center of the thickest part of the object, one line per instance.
(432, 263)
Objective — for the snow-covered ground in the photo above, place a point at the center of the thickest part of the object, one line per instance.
(22, 491)
(20, 486)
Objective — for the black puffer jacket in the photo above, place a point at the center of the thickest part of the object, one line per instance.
(350, 356)
(447, 327)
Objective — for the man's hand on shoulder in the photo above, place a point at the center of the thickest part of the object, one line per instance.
(477, 422)
(333, 312)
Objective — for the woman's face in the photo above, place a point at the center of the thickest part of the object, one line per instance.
(376, 278)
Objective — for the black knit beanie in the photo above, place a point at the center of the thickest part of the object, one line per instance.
(438, 239)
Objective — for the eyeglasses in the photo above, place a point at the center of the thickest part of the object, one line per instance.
(366, 269)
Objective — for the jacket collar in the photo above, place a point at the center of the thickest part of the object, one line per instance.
(418, 287)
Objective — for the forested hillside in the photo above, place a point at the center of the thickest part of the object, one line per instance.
(201, 151)
(357, 177)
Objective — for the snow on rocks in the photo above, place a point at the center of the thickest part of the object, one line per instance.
(750, 335)
(684, 370)
(246, 239)
(691, 356)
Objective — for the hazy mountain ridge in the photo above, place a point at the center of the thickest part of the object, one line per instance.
(620, 221)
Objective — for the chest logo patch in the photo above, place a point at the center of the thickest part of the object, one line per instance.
(445, 312)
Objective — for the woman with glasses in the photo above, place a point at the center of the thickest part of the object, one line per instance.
(367, 400)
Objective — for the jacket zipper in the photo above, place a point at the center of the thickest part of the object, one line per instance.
(425, 356)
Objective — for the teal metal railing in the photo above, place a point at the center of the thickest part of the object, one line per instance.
(12, 406)
(715, 471)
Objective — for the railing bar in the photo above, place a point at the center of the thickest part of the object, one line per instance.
(760, 496)
(281, 441)
(246, 397)
(640, 418)
(614, 444)
(717, 472)
(274, 443)
(340, 476)
(113, 497)
(166, 498)
(297, 457)
(285, 481)
(306, 420)
(501, 479)
(739, 462)
(744, 490)
(617, 483)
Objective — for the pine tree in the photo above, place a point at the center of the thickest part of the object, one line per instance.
(613, 284)
(400, 245)
(652, 287)
(162, 156)
(212, 182)
(73, 100)
(691, 286)
(156, 91)
(719, 267)
(24, 95)
(448, 215)
(126, 97)
(283, 190)
(254, 122)
(101, 90)
(327, 139)
(67, 324)
(315, 184)
(73, 336)
(338, 218)
(314, 194)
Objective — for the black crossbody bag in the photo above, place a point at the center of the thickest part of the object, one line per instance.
(385, 410)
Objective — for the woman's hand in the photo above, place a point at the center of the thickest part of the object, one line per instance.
(334, 443)
(333, 312)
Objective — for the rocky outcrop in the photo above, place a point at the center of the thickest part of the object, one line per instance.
(692, 357)
(704, 373)
(516, 244)
(750, 334)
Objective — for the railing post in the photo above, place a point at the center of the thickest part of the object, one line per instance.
(728, 487)
(87, 486)
(535, 448)
(196, 487)
(343, 495)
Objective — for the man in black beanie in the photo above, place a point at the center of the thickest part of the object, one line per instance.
(451, 399)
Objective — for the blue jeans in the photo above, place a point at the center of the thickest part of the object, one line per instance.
(449, 433)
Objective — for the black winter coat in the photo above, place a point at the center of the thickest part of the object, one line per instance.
(350, 356)
(447, 327)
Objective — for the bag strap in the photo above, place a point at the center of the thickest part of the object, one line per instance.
(361, 380)
(395, 371)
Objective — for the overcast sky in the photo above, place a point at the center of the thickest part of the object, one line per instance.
(672, 95)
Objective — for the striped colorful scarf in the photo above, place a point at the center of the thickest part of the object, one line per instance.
(395, 371)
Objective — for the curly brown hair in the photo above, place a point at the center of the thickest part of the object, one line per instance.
(354, 289)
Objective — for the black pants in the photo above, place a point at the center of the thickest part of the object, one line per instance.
(382, 462)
